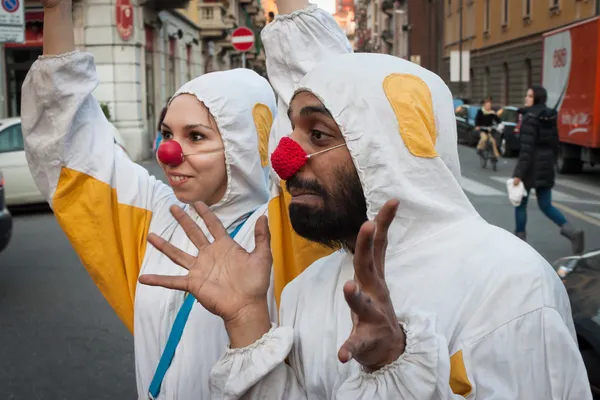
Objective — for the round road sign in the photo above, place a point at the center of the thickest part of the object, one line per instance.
(10, 5)
(242, 39)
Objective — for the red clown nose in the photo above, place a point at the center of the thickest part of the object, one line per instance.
(288, 158)
(170, 153)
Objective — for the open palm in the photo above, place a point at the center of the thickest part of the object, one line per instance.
(53, 3)
(224, 278)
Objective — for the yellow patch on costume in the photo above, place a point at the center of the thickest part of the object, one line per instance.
(263, 120)
(411, 100)
(292, 254)
(109, 237)
(459, 381)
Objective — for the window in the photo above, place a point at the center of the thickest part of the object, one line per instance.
(486, 82)
(486, 21)
(509, 115)
(526, 8)
(554, 3)
(528, 74)
(188, 53)
(505, 13)
(171, 65)
(506, 89)
(11, 139)
(470, 20)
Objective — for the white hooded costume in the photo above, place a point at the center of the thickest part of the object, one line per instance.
(481, 322)
(107, 204)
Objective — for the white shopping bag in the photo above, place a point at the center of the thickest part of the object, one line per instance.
(515, 193)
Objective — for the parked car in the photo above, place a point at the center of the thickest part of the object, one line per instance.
(465, 124)
(509, 142)
(581, 276)
(5, 218)
(20, 187)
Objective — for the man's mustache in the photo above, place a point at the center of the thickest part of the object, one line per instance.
(305, 184)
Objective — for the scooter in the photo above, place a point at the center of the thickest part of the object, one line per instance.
(581, 277)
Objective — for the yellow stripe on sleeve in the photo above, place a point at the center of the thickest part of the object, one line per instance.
(110, 238)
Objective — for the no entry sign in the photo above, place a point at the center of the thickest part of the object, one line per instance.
(242, 39)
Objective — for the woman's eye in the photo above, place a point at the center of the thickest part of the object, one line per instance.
(195, 136)
(166, 135)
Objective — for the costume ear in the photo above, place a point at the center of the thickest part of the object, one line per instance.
(263, 120)
(411, 101)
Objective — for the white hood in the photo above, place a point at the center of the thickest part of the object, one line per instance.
(374, 98)
(243, 106)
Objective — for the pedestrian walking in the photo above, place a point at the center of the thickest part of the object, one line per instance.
(537, 165)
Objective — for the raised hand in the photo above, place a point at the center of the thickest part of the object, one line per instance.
(226, 279)
(377, 339)
(53, 3)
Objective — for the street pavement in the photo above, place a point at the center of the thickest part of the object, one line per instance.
(60, 340)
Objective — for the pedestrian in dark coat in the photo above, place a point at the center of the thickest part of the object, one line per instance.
(536, 165)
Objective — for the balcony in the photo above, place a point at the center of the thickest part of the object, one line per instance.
(160, 5)
(252, 8)
(211, 20)
(387, 6)
(388, 36)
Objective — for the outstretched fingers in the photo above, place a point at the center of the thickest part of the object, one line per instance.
(169, 282)
(176, 255)
(383, 220)
(262, 239)
(191, 229)
(214, 225)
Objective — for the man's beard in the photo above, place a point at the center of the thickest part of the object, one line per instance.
(343, 213)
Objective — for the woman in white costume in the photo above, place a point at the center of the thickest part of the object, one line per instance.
(108, 205)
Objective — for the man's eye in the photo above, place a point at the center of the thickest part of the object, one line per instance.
(318, 135)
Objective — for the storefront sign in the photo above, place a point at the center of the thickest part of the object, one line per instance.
(12, 21)
(124, 11)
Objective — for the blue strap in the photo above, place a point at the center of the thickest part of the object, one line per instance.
(175, 336)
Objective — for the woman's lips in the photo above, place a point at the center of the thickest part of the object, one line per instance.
(178, 179)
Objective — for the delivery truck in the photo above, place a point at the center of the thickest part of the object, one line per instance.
(571, 75)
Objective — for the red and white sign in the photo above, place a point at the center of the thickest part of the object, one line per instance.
(242, 39)
(124, 11)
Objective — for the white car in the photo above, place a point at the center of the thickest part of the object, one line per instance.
(19, 187)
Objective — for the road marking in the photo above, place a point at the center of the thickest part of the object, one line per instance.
(593, 215)
(556, 194)
(582, 187)
(479, 189)
(577, 214)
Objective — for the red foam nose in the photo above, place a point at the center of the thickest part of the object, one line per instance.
(170, 153)
(288, 158)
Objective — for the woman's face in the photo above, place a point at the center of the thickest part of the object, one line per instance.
(487, 105)
(203, 175)
(529, 98)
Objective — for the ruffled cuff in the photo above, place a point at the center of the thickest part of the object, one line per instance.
(414, 375)
(240, 369)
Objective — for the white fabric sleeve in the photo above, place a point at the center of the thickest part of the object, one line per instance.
(258, 371)
(533, 357)
(294, 44)
(103, 201)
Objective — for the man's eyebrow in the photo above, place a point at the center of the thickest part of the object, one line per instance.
(307, 111)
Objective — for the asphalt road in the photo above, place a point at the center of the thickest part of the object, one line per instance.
(60, 340)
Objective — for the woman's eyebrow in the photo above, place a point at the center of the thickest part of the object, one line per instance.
(190, 126)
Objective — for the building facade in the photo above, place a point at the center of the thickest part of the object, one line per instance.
(140, 63)
(404, 28)
(505, 41)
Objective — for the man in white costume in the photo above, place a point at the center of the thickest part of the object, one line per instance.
(412, 307)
